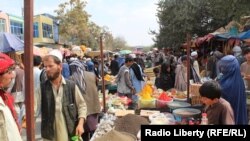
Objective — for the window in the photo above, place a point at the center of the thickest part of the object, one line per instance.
(17, 28)
(47, 31)
(35, 30)
(2, 25)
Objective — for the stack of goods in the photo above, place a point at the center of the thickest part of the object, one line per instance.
(106, 124)
(130, 123)
(146, 100)
(194, 91)
(163, 100)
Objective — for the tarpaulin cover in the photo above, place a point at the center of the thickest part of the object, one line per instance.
(10, 42)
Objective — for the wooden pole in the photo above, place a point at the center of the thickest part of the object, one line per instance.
(188, 66)
(28, 67)
(103, 83)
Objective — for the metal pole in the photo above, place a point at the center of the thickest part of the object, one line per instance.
(28, 63)
(103, 83)
(188, 65)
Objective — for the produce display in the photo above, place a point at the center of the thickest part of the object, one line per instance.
(114, 102)
(106, 124)
(146, 92)
(163, 99)
(109, 78)
(180, 96)
(146, 100)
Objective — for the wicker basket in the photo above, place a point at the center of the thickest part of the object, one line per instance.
(196, 100)
(195, 94)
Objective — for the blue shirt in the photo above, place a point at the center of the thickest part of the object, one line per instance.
(65, 70)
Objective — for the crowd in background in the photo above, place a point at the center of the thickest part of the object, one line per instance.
(231, 72)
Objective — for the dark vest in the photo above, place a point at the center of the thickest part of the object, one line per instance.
(69, 109)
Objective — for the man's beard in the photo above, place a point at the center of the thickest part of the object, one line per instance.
(54, 76)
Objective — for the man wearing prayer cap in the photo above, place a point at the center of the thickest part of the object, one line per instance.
(194, 56)
(8, 117)
(237, 52)
(194, 53)
(63, 108)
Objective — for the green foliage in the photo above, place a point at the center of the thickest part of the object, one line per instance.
(76, 28)
(119, 43)
(177, 18)
(73, 21)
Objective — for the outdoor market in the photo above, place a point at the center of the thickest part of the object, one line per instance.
(89, 86)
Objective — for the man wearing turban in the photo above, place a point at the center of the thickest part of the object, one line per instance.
(8, 117)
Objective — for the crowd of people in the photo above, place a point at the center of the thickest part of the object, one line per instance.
(229, 71)
(66, 89)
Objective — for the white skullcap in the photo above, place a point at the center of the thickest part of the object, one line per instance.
(155, 49)
(88, 59)
(237, 49)
(194, 53)
(132, 56)
(57, 53)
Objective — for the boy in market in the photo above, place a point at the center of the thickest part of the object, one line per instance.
(218, 110)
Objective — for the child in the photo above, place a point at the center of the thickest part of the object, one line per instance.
(218, 110)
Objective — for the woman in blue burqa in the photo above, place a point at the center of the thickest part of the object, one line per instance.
(233, 88)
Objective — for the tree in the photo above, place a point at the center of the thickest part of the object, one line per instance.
(76, 28)
(196, 17)
(73, 21)
(108, 41)
(93, 39)
(119, 43)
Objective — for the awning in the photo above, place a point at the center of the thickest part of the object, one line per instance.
(10, 43)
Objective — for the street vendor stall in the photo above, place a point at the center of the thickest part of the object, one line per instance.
(155, 106)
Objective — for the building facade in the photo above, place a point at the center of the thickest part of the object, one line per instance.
(45, 28)
(17, 26)
(4, 22)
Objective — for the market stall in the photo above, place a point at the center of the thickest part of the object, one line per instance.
(155, 106)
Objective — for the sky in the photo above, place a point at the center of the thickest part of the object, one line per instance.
(129, 19)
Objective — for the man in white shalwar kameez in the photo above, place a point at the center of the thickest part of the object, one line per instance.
(53, 68)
